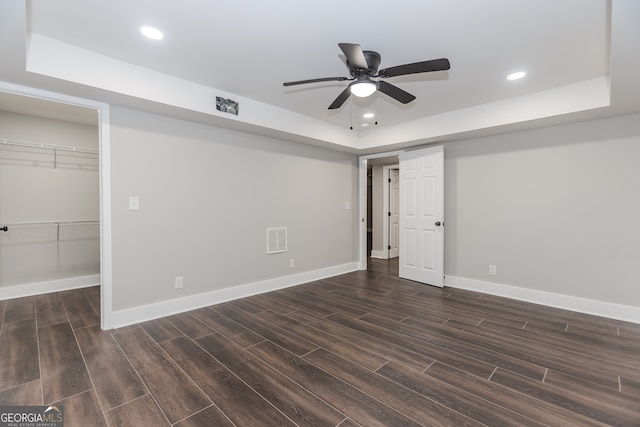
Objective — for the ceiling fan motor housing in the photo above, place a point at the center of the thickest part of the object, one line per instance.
(373, 61)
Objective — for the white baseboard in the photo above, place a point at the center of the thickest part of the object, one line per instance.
(582, 305)
(157, 310)
(29, 289)
(379, 254)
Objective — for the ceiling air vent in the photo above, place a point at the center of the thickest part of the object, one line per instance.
(276, 240)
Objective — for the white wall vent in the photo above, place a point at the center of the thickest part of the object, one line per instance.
(276, 240)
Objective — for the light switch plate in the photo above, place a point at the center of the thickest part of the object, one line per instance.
(134, 203)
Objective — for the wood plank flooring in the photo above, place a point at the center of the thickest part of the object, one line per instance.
(360, 349)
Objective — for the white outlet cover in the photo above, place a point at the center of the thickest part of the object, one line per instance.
(179, 282)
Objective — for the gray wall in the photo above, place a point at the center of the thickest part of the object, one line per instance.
(207, 196)
(555, 209)
(32, 190)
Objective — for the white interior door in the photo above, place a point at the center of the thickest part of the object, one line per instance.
(394, 213)
(422, 215)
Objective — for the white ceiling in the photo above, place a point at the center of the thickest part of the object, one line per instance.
(245, 51)
(18, 104)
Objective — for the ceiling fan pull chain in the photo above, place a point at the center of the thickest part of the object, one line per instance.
(375, 112)
(351, 107)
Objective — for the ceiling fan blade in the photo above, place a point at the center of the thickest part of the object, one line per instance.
(417, 67)
(354, 55)
(344, 95)
(395, 92)
(323, 79)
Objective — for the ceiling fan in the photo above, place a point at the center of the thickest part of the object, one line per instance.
(363, 67)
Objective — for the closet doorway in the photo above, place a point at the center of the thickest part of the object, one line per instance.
(50, 205)
(382, 206)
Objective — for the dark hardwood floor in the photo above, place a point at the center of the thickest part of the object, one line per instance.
(361, 349)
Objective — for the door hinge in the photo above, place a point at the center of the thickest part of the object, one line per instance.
(389, 179)
(389, 213)
(389, 246)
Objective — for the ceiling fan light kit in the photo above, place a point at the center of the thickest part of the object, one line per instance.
(363, 88)
(363, 67)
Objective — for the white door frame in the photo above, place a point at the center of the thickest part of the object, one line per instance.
(362, 208)
(104, 155)
(386, 173)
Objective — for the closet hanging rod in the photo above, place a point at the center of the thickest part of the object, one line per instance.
(36, 223)
(26, 144)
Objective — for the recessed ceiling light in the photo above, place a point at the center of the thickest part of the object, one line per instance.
(152, 33)
(368, 115)
(516, 76)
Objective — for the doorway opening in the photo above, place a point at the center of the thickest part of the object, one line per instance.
(419, 186)
(69, 138)
(383, 210)
(376, 224)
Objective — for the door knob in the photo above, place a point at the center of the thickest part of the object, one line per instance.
(437, 223)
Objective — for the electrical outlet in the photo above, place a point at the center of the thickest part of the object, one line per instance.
(292, 263)
(179, 282)
(492, 270)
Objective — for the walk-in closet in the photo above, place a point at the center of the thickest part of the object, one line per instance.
(49, 197)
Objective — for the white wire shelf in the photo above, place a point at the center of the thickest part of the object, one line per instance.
(49, 231)
(50, 149)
